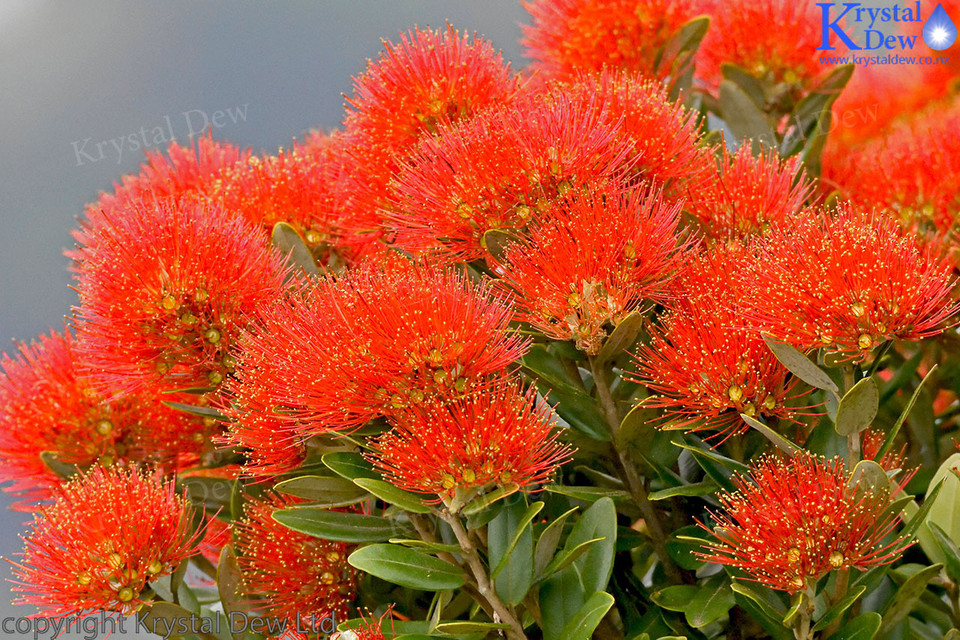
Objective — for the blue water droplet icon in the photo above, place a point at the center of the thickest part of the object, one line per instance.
(939, 32)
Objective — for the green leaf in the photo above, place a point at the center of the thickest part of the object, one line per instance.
(858, 407)
(62, 469)
(323, 491)
(482, 502)
(712, 601)
(869, 477)
(565, 592)
(161, 617)
(944, 511)
(548, 541)
(695, 489)
(778, 440)
(432, 547)
(393, 495)
(210, 493)
(582, 624)
(588, 494)
(675, 59)
(581, 413)
(888, 442)
(566, 557)
(718, 467)
(289, 243)
(683, 545)
(335, 525)
(349, 465)
(745, 80)
(763, 597)
(839, 608)
(496, 241)
(621, 338)
(407, 567)
(948, 548)
(811, 110)
(203, 412)
(908, 595)
(510, 545)
(800, 366)
(460, 627)
(676, 598)
(546, 368)
(743, 116)
(863, 627)
(230, 587)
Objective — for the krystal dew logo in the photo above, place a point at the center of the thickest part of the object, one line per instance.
(939, 32)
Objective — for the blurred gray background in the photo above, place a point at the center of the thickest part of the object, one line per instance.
(95, 70)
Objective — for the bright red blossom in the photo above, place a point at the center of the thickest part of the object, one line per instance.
(846, 282)
(704, 366)
(499, 169)
(108, 535)
(590, 260)
(47, 406)
(492, 437)
(774, 40)
(748, 193)
(589, 35)
(295, 577)
(795, 520)
(912, 171)
(163, 292)
(369, 343)
(431, 78)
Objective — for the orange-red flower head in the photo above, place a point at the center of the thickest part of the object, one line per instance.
(703, 365)
(164, 288)
(493, 437)
(97, 548)
(774, 40)
(748, 193)
(431, 78)
(295, 577)
(591, 259)
(846, 282)
(369, 343)
(795, 520)
(568, 36)
(497, 170)
(47, 406)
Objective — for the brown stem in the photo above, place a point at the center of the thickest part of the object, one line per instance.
(633, 481)
(482, 579)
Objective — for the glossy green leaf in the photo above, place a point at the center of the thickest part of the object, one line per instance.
(869, 477)
(676, 598)
(335, 525)
(581, 413)
(582, 624)
(487, 499)
(891, 436)
(801, 366)
(432, 547)
(459, 627)
(230, 588)
(407, 567)
(944, 510)
(62, 469)
(393, 495)
(548, 542)
(763, 597)
(745, 80)
(496, 241)
(778, 440)
(510, 545)
(547, 369)
(858, 407)
(743, 116)
(839, 608)
(712, 601)
(211, 493)
(683, 545)
(349, 465)
(323, 491)
(289, 243)
(907, 597)
(949, 549)
(863, 627)
(621, 338)
(588, 494)
(695, 489)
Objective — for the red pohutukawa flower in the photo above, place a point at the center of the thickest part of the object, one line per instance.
(295, 577)
(431, 78)
(304, 186)
(589, 35)
(185, 170)
(497, 170)
(846, 282)
(913, 170)
(164, 288)
(493, 437)
(748, 193)
(663, 135)
(46, 406)
(591, 259)
(369, 629)
(366, 344)
(97, 548)
(775, 40)
(704, 366)
(795, 520)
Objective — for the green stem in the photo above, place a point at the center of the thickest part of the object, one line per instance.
(801, 629)
(482, 578)
(839, 591)
(853, 440)
(632, 480)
